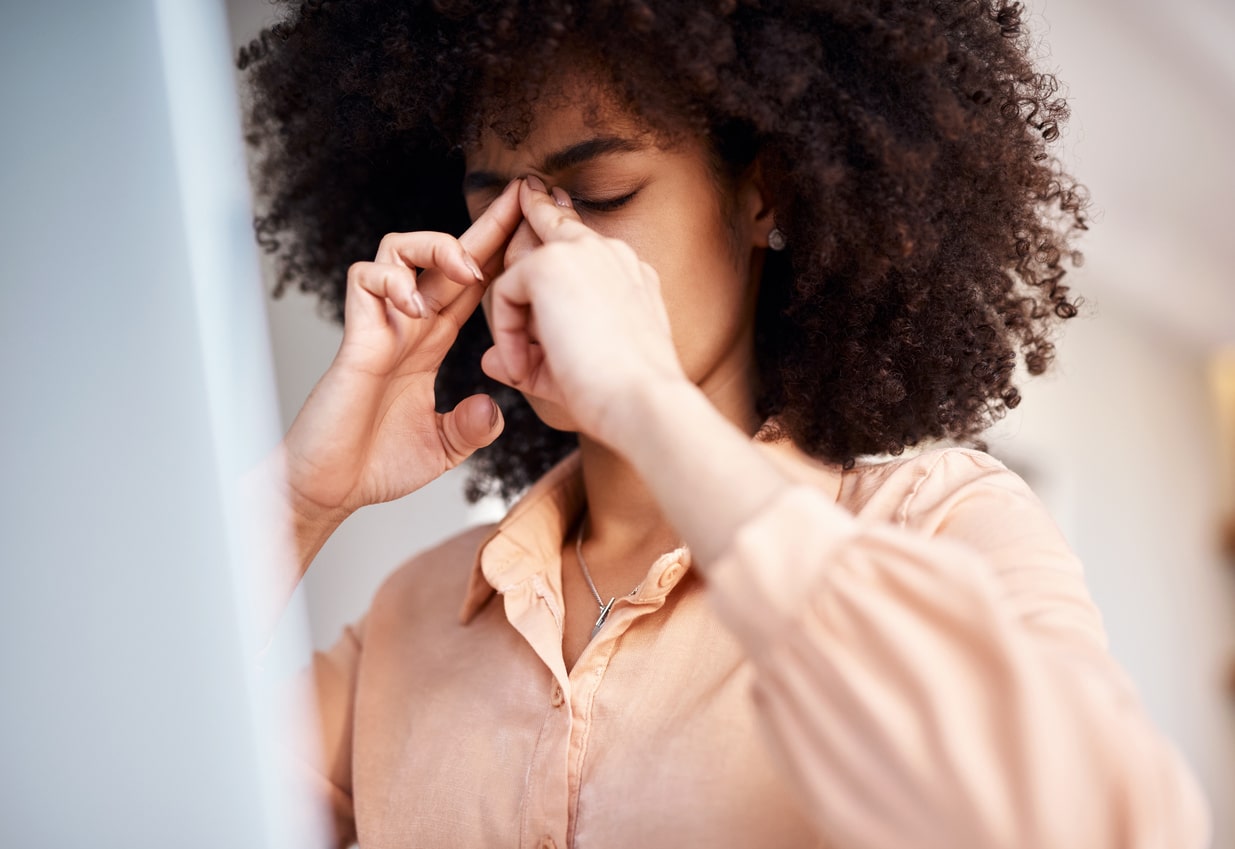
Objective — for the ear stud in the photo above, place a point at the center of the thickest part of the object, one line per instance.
(776, 239)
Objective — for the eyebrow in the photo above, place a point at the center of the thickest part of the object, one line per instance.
(567, 157)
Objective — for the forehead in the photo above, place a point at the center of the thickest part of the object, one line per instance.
(572, 106)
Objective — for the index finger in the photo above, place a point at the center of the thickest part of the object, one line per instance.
(483, 241)
(488, 234)
(552, 217)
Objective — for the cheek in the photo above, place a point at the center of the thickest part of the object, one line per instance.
(708, 294)
(698, 270)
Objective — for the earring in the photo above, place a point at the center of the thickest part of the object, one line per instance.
(776, 239)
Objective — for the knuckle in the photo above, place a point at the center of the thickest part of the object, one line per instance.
(442, 247)
(389, 288)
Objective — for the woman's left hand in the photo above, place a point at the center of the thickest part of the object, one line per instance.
(578, 321)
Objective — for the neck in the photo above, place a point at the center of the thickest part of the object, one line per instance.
(624, 522)
(622, 516)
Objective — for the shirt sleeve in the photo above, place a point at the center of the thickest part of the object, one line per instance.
(315, 752)
(942, 679)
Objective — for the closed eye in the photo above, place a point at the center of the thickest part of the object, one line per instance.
(606, 205)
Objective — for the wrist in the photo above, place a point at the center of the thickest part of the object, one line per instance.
(280, 541)
(631, 425)
(311, 527)
(703, 468)
(307, 524)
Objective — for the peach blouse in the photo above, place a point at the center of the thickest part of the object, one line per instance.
(903, 654)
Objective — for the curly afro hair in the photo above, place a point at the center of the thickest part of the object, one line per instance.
(904, 144)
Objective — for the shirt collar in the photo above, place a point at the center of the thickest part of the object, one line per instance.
(528, 540)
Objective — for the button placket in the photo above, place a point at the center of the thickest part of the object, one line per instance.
(545, 807)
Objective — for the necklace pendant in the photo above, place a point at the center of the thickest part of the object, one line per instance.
(604, 614)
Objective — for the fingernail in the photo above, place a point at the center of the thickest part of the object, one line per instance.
(536, 183)
(561, 198)
(494, 415)
(420, 305)
(474, 268)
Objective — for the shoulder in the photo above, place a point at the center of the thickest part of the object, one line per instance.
(435, 579)
(897, 487)
(971, 499)
(955, 492)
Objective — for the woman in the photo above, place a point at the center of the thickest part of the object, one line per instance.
(723, 250)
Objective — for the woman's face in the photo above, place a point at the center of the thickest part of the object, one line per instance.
(666, 204)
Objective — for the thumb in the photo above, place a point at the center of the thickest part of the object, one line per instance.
(474, 423)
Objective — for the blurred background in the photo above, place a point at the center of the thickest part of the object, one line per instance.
(115, 615)
(1124, 440)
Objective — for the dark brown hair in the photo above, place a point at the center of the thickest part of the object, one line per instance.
(905, 144)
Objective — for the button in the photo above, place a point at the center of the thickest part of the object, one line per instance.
(557, 701)
(670, 575)
(546, 842)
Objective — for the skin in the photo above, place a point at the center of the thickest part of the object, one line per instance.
(628, 323)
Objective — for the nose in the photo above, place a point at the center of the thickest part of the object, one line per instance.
(522, 242)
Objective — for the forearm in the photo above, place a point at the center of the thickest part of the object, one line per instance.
(281, 535)
(704, 471)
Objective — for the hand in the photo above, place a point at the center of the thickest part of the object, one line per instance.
(369, 431)
(578, 321)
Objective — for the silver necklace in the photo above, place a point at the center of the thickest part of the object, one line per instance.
(604, 608)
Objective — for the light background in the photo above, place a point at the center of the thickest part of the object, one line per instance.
(1120, 441)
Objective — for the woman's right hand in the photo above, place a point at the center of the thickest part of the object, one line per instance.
(369, 431)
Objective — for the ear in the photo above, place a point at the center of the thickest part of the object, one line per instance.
(755, 205)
